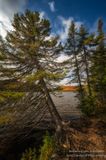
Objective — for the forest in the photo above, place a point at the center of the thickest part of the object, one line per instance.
(31, 126)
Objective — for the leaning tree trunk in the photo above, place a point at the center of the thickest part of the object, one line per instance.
(61, 133)
(61, 127)
(51, 106)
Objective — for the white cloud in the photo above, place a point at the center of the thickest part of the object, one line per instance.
(7, 10)
(5, 24)
(62, 58)
(9, 7)
(42, 14)
(63, 32)
(65, 24)
(52, 6)
(64, 81)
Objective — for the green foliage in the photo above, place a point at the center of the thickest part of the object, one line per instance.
(87, 105)
(43, 74)
(35, 50)
(89, 57)
(29, 154)
(10, 95)
(98, 68)
(48, 148)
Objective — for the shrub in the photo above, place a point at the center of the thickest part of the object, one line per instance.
(88, 106)
(29, 154)
(48, 148)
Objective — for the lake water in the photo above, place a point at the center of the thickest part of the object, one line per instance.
(67, 104)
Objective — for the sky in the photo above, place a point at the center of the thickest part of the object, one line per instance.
(59, 12)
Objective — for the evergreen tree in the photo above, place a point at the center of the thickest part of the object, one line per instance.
(32, 69)
(98, 68)
(84, 41)
(72, 49)
(6, 75)
(32, 51)
(79, 46)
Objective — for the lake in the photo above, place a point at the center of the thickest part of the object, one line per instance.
(66, 104)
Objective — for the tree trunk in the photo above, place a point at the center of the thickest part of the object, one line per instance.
(52, 108)
(78, 70)
(61, 127)
(87, 72)
(61, 133)
(78, 75)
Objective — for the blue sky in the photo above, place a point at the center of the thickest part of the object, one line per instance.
(60, 13)
(86, 11)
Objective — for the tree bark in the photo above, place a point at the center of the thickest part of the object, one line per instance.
(87, 72)
(52, 108)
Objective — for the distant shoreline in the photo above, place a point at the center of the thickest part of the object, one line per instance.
(68, 88)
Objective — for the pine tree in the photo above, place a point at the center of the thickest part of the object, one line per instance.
(84, 41)
(72, 49)
(6, 75)
(79, 46)
(32, 52)
(98, 69)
